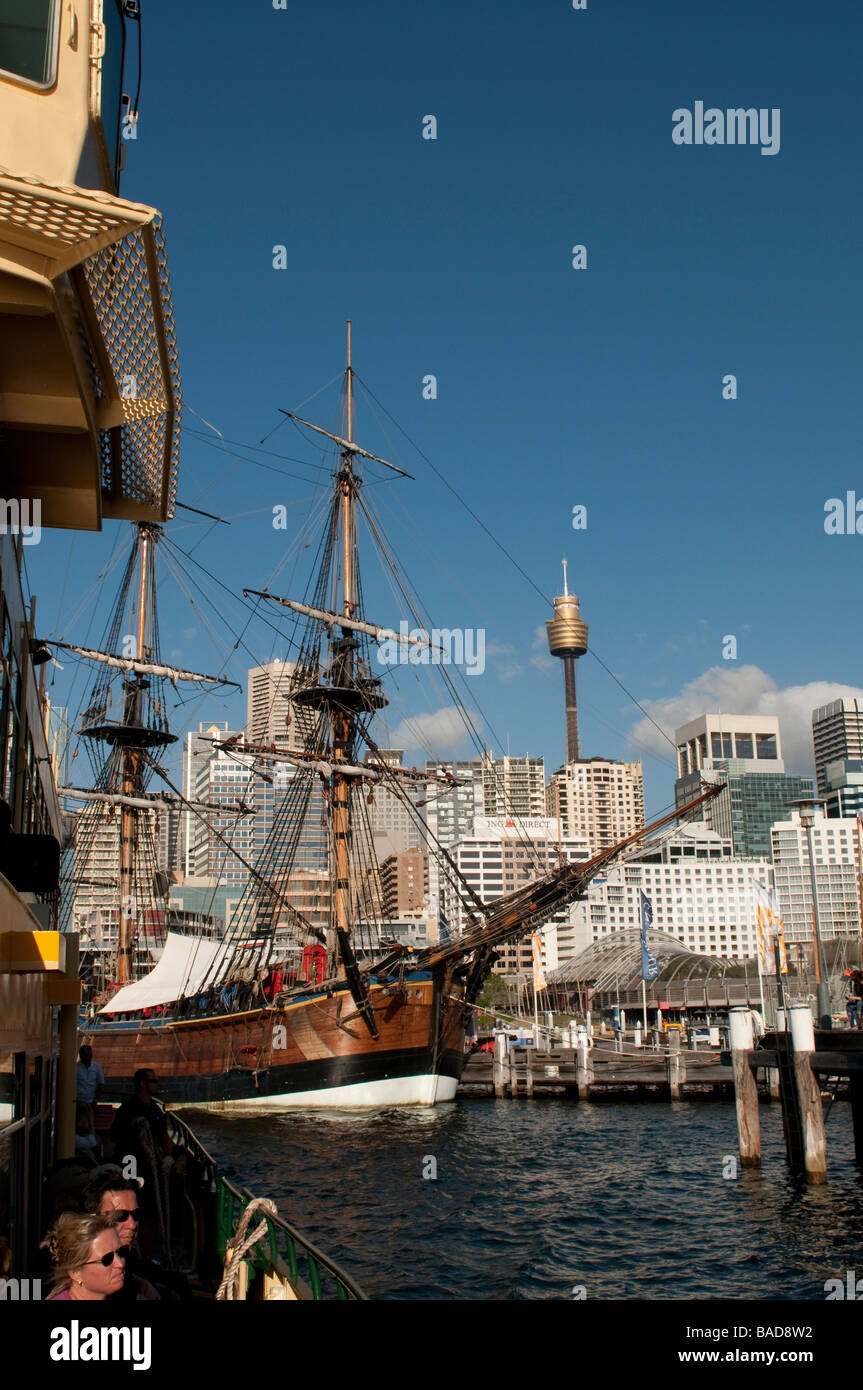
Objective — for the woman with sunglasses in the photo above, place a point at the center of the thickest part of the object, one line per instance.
(89, 1261)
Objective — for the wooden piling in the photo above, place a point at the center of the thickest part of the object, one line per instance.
(500, 1067)
(583, 1069)
(528, 1071)
(674, 1064)
(808, 1093)
(745, 1088)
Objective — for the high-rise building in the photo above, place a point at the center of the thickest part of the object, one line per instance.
(271, 715)
(697, 890)
(597, 799)
(394, 825)
(199, 747)
(843, 791)
(449, 811)
(513, 786)
(837, 733)
(744, 752)
(404, 883)
(169, 857)
(503, 854)
(835, 846)
(223, 779)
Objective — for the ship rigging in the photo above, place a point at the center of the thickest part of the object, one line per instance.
(279, 1011)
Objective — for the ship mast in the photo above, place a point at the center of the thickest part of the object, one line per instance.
(343, 652)
(131, 758)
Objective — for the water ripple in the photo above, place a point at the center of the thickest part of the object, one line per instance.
(535, 1198)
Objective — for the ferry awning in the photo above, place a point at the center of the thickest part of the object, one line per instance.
(184, 966)
(89, 377)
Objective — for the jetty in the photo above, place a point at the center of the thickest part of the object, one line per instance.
(664, 1071)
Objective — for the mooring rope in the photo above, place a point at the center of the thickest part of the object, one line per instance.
(236, 1252)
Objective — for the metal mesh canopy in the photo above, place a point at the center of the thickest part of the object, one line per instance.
(615, 961)
(90, 270)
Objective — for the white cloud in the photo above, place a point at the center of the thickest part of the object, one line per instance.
(443, 732)
(744, 690)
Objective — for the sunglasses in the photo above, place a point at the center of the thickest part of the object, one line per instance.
(120, 1214)
(121, 1252)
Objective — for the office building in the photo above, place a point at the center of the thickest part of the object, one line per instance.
(744, 753)
(837, 733)
(271, 716)
(836, 847)
(843, 790)
(501, 855)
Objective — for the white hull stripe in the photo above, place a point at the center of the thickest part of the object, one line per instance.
(425, 1089)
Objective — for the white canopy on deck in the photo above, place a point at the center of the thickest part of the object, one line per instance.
(184, 966)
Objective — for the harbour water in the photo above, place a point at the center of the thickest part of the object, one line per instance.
(539, 1199)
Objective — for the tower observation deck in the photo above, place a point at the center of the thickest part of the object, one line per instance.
(567, 639)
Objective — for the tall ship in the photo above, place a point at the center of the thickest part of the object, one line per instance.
(281, 1011)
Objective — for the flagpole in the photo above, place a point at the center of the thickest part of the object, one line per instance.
(644, 1005)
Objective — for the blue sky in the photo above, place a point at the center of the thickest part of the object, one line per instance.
(556, 387)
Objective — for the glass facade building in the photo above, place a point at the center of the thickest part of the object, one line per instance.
(751, 804)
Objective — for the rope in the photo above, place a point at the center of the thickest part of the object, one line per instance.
(242, 1243)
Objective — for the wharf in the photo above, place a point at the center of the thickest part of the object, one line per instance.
(663, 1073)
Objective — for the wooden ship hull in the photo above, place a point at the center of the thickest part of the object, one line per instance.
(313, 1053)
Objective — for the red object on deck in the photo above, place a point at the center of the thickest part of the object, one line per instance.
(314, 963)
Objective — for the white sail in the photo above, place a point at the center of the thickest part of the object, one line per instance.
(182, 969)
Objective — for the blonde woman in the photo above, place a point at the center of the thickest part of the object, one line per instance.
(89, 1261)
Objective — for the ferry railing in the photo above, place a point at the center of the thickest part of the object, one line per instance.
(287, 1251)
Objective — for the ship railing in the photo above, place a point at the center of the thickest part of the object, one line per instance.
(285, 1250)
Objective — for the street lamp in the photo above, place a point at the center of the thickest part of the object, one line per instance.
(806, 808)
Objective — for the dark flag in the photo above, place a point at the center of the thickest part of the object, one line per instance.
(649, 964)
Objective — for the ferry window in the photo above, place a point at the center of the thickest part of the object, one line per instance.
(28, 39)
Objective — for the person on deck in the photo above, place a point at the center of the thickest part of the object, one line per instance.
(88, 1258)
(89, 1081)
(854, 1002)
(140, 1134)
